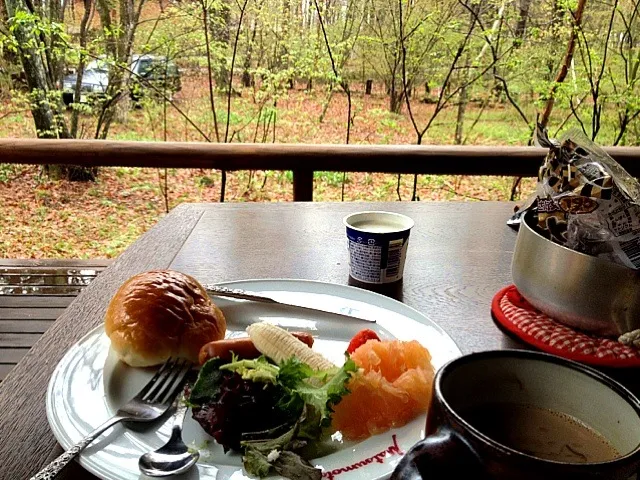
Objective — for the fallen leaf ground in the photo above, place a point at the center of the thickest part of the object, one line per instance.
(43, 218)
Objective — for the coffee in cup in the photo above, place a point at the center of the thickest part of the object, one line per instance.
(541, 432)
(522, 415)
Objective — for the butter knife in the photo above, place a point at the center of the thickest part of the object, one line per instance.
(345, 313)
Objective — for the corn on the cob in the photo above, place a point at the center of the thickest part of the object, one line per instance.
(279, 345)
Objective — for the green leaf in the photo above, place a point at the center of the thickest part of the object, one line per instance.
(285, 462)
(311, 423)
(255, 458)
(267, 445)
(255, 463)
(291, 465)
(207, 385)
(258, 370)
(322, 398)
(319, 391)
(293, 371)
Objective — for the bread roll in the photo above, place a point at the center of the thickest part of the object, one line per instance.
(160, 314)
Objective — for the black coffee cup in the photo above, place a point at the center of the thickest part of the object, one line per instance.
(457, 445)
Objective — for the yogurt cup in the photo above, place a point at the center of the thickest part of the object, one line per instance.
(377, 243)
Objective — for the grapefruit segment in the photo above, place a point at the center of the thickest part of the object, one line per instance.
(391, 388)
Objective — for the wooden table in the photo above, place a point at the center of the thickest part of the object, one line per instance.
(459, 257)
(33, 294)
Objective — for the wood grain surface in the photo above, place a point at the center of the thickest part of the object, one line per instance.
(36, 301)
(27, 442)
(7, 264)
(23, 320)
(33, 294)
(459, 257)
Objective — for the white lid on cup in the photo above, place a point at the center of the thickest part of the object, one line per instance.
(378, 222)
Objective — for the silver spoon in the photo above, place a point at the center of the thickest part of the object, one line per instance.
(174, 457)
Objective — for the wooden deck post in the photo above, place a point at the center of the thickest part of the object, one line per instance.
(302, 185)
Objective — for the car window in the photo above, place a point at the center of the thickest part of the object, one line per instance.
(98, 66)
(155, 66)
(144, 66)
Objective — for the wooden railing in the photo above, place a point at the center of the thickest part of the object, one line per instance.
(302, 159)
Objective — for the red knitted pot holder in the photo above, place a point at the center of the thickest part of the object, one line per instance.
(520, 318)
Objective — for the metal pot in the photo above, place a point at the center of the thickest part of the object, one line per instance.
(578, 290)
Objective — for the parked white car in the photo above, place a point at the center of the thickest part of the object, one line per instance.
(95, 80)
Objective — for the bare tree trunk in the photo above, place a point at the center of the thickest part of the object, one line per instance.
(284, 46)
(564, 68)
(56, 14)
(396, 93)
(220, 33)
(46, 107)
(212, 101)
(247, 79)
(462, 104)
(9, 57)
(88, 8)
(327, 102)
(463, 96)
(521, 26)
(395, 99)
(122, 108)
(119, 49)
(48, 120)
(128, 20)
(3, 13)
(368, 87)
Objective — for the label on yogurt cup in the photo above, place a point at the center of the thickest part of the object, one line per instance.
(377, 243)
(376, 257)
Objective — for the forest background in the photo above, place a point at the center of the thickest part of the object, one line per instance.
(296, 71)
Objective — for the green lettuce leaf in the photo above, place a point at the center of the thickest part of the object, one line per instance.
(319, 391)
(256, 463)
(306, 399)
(292, 372)
(293, 466)
(266, 445)
(262, 455)
(258, 370)
(207, 385)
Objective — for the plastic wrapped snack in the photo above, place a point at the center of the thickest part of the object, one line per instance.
(586, 201)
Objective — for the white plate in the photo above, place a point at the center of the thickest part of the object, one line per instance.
(90, 383)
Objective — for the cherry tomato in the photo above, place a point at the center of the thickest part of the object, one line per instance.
(361, 338)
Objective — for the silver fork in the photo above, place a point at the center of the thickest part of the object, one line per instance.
(149, 404)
